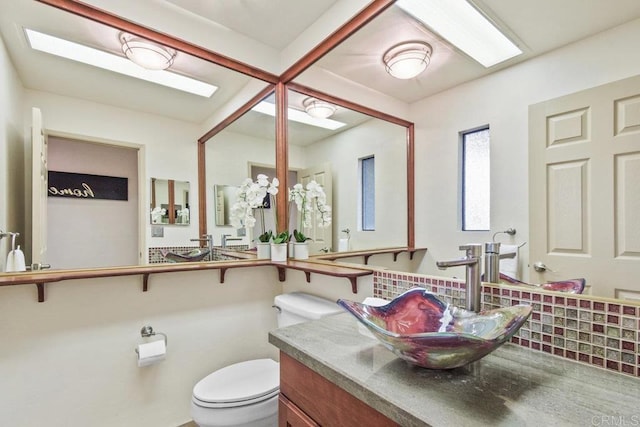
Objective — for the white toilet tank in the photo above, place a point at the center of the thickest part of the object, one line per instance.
(298, 307)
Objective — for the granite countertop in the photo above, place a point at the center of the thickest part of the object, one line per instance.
(512, 386)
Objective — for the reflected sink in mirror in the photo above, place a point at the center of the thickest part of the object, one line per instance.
(571, 286)
(425, 331)
(191, 256)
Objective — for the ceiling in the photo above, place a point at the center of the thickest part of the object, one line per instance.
(265, 34)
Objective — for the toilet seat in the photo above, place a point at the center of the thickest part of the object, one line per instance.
(240, 384)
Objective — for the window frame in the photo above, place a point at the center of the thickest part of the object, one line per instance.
(463, 177)
(365, 207)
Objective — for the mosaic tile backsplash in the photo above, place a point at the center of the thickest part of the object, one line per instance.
(582, 328)
(155, 254)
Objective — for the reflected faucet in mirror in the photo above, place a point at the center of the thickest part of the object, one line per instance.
(208, 238)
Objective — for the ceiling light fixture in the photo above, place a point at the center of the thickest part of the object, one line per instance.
(145, 53)
(407, 60)
(318, 109)
(465, 27)
(115, 63)
(299, 116)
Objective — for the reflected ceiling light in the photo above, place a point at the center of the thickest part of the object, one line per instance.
(298, 116)
(318, 109)
(116, 63)
(465, 27)
(145, 53)
(407, 60)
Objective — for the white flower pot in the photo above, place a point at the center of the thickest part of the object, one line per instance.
(263, 250)
(301, 250)
(278, 252)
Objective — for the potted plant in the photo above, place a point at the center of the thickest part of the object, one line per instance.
(308, 199)
(252, 195)
(279, 246)
(301, 247)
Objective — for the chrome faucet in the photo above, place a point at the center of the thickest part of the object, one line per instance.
(492, 257)
(492, 262)
(472, 262)
(227, 237)
(209, 239)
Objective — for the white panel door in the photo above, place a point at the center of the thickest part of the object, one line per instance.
(39, 189)
(321, 237)
(584, 167)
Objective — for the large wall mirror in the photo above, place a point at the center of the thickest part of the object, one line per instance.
(99, 107)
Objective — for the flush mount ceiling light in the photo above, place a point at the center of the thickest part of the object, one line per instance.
(147, 54)
(299, 116)
(115, 63)
(465, 27)
(318, 109)
(407, 60)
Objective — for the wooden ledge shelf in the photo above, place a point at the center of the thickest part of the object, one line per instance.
(368, 253)
(43, 278)
(350, 273)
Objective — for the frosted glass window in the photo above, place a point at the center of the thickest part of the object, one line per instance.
(367, 194)
(475, 180)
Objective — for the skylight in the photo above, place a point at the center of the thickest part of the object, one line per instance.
(118, 64)
(464, 27)
(298, 116)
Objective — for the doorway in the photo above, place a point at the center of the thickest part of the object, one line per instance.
(90, 232)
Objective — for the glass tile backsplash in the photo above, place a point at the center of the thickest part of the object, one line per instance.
(218, 254)
(583, 328)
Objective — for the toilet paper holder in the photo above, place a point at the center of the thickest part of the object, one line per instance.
(147, 331)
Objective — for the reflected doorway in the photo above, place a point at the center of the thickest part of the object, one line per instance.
(84, 231)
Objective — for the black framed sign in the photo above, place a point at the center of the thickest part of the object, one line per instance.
(85, 186)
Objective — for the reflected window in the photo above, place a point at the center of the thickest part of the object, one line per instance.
(475, 180)
(367, 194)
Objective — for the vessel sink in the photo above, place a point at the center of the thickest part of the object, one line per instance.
(194, 255)
(423, 330)
(571, 286)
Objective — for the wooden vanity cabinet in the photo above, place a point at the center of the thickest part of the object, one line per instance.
(308, 399)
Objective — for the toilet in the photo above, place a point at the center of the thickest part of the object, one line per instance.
(246, 393)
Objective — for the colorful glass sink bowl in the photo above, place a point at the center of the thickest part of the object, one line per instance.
(571, 286)
(425, 331)
(194, 255)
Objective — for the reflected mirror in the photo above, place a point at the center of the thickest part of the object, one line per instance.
(360, 161)
(224, 197)
(169, 201)
(97, 107)
(231, 154)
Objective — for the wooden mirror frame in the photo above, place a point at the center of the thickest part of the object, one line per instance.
(281, 83)
(282, 148)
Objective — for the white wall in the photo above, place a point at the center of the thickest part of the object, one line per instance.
(70, 361)
(168, 147)
(501, 100)
(11, 155)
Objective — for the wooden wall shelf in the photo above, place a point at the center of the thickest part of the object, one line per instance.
(43, 278)
(350, 273)
(368, 253)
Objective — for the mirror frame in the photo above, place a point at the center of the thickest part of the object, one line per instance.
(280, 83)
(282, 148)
